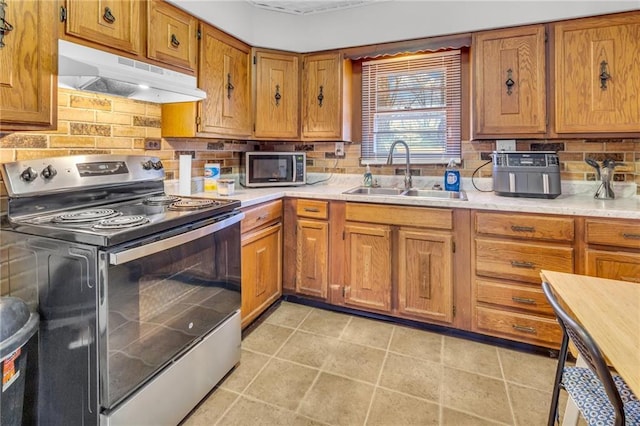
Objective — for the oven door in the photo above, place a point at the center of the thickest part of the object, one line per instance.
(160, 298)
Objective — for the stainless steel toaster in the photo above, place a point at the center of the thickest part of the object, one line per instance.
(534, 174)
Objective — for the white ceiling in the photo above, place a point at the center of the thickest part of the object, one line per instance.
(307, 7)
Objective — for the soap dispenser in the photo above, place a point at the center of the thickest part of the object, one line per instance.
(452, 177)
(368, 177)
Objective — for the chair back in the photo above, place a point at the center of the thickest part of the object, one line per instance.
(589, 351)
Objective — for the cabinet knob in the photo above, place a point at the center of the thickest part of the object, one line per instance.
(509, 83)
(174, 41)
(277, 96)
(604, 75)
(108, 16)
(320, 96)
(230, 86)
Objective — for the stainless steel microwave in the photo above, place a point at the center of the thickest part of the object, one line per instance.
(260, 169)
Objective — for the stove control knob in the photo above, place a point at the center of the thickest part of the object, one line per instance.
(29, 175)
(49, 172)
(157, 165)
(147, 165)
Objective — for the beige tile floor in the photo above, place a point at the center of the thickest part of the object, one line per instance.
(308, 366)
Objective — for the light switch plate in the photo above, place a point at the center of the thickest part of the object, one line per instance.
(339, 149)
(506, 145)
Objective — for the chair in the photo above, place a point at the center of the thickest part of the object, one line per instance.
(603, 398)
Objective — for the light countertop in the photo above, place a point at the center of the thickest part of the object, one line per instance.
(576, 198)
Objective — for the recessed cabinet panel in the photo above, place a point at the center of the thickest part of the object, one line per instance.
(614, 265)
(510, 88)
(597, 74)
(312, 257)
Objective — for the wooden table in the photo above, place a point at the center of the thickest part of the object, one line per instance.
(610, 311)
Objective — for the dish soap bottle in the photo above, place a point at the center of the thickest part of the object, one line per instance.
(451, 177)
(368, 177)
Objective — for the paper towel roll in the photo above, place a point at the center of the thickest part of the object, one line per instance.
(184, 179)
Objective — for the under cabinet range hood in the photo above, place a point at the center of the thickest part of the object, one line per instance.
(84, 68)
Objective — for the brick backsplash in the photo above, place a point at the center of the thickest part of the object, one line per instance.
(99, 124)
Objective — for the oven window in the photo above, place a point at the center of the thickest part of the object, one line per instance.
(271, 168)
(161, 304)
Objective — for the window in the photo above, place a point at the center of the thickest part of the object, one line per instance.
(416, 99)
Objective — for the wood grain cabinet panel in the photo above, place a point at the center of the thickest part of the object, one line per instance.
(510, 89)
(613, 233)
(525, 226)
(172, 36)
(597, 74)
(276, 95)
(614, 265)
(312, 258)
(28, 60)
(114, 24)
(519, 326)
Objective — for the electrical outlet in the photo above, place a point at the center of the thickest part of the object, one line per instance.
(506, 145)
(152, 144)
(339, 150)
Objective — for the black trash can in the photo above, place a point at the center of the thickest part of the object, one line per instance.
(17, 325)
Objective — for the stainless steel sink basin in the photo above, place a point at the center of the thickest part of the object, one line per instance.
(421, 193)
(365, 190)
(433, 193)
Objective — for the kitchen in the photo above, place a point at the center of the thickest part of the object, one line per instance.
(96, 124)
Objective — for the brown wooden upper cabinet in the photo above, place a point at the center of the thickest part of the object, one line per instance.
(224, 74)
(172, 36)
(509, 83)
(276, 94)
(112, 23)
(597, 74)
(28, 61)
(326, 97)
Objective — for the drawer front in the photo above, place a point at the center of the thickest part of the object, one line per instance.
(423, 217)
(620, 234)
(520, 261)
(312, 208)
(260, 215)
(516, 326)
(525, 226)
(528, 298)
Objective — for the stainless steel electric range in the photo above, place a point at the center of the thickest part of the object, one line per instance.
(138, 291)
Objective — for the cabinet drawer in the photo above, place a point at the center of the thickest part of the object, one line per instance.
(525, 226)
(621, 234)
(517, 326)
(528, 298)
(402, 216)
(313, 209)
(520, 261)
(261, 215)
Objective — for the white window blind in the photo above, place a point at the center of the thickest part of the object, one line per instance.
(416, 99)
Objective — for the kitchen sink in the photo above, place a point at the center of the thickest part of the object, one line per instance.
(413, 192)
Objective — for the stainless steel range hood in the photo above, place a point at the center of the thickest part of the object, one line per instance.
(84, 68)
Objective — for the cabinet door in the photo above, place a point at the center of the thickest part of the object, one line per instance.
(312, 257)
(28, 63)
(261, 271)
(276, 95)
(368, 268)
(510, 89)
(171, 35)
(613, 265)
(425, 275)
(224, 75)
(597, 74)
(111, 23)
(322, 96)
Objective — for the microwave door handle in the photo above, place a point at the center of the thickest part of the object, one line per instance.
(125, 256)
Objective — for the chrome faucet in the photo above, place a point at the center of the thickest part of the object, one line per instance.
(407, 173)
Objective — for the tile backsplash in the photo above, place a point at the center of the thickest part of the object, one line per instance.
(99, 124)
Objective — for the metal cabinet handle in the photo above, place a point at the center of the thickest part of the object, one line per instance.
(311, 210)
(108, 16)
(230, 86)
(525, 265)
(518, 228)
(524, 329)
(174, 41)
(262, 217)
(631, 236)
(524, 300)
(320, 96)
(509, 83)
(277, 96)
(604, 75)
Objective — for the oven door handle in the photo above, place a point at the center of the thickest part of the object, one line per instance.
(125, 256)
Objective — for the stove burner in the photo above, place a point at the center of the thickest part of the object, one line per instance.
(121, 222)
(161, 200)
(192, 204)
(84, 216)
